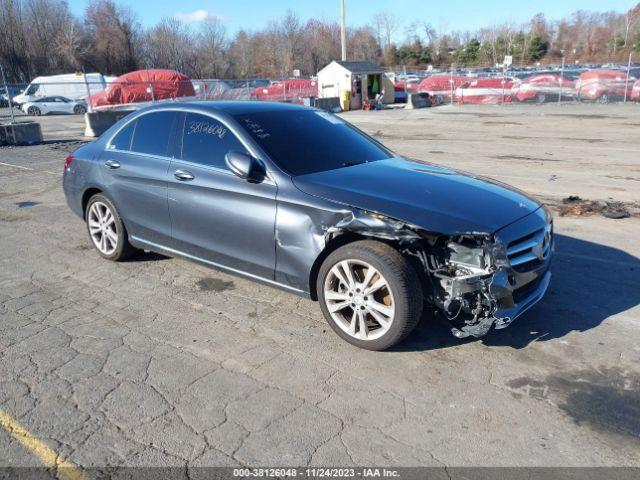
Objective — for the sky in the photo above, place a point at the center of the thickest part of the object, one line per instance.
(459, 15)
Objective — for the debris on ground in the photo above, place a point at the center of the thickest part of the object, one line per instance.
(574, 205)
(615, 210)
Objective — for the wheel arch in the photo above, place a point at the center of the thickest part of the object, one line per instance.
(348, 237)
(86, 196)
(331, 246)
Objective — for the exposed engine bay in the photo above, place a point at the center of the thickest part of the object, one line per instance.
(470, 283)
(469, 279)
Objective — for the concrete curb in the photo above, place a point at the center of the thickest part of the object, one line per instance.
(99, 122)
(20, 133)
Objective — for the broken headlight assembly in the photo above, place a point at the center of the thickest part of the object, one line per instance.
(470, 280)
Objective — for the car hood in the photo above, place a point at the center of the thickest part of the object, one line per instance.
(433, 198)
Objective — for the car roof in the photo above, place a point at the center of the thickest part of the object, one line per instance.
(232, 108)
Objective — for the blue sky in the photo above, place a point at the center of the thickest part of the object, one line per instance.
(447, 15)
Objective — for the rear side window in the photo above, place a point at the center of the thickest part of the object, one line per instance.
(152, 133)
(122, 141)
(206, 141)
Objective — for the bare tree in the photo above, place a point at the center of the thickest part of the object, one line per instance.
(386, 25)
(70, 45)
(169, 45)
(631, 18)
(114, 32)
(213, 41)
(291, 31)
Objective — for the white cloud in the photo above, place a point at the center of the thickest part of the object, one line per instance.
(195, 16)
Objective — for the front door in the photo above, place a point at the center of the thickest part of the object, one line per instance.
(215, 215)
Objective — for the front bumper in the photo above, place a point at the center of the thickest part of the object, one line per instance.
(505, 316)
(517, 285)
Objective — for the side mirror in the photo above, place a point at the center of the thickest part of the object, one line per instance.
(245, 166)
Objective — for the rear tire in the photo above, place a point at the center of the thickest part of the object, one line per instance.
(541, 98)
(382, 301)
(106, 229)
(604, 99)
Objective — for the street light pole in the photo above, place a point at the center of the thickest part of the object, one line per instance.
(343, 31)
(561, 78)
(626, 83)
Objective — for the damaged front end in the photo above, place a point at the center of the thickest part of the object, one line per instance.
(472, 278)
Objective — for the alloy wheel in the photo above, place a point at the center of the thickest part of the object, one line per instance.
(359, 299)
(102, 228)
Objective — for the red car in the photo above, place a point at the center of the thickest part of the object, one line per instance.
(544, 87)
(486, 91)
(138, 86)
(439, 86)
(290, 89)
(635, 92)
(409, 87)
(603, 85)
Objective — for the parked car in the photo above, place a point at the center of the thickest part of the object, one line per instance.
(543, 88)
(287, 90)
(6, 93)
(45, 105)
(441, 86)
(144, 86)
(299, 199)
(70, 86)
(635, 91)
(603, 85)
(487, 91)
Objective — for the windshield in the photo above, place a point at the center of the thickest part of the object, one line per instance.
(33, 88)
(308, 141)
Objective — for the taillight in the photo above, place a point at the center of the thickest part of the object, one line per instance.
(67, 162)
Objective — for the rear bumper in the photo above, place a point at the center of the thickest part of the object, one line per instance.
(73, 195)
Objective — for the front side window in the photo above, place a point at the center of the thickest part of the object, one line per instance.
(207, 141)
(122, 141)
(152, 133)
(308, 141)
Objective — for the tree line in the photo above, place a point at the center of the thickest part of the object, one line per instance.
(43, 37)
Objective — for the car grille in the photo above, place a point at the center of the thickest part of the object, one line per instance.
(527, 252)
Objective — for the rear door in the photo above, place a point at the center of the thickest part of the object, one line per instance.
(217, 216)
(135, 166)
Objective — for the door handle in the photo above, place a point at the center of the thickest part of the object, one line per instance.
(112, 164)
(183, 175)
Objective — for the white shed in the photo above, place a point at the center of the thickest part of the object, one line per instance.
(363, 80)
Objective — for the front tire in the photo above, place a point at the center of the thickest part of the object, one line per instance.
(370, 294)
(106, 230)
(79, 110)
(34, 111)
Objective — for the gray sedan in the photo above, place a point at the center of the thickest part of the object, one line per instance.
(299, 199)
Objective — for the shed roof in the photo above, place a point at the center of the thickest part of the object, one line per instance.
(361, 67)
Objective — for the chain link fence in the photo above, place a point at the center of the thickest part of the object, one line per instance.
(79, 93)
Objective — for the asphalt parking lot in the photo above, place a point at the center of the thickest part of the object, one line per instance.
(157, 361)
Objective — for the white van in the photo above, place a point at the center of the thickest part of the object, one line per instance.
(71, 86)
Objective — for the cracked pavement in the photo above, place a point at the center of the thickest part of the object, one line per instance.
(162, 362)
